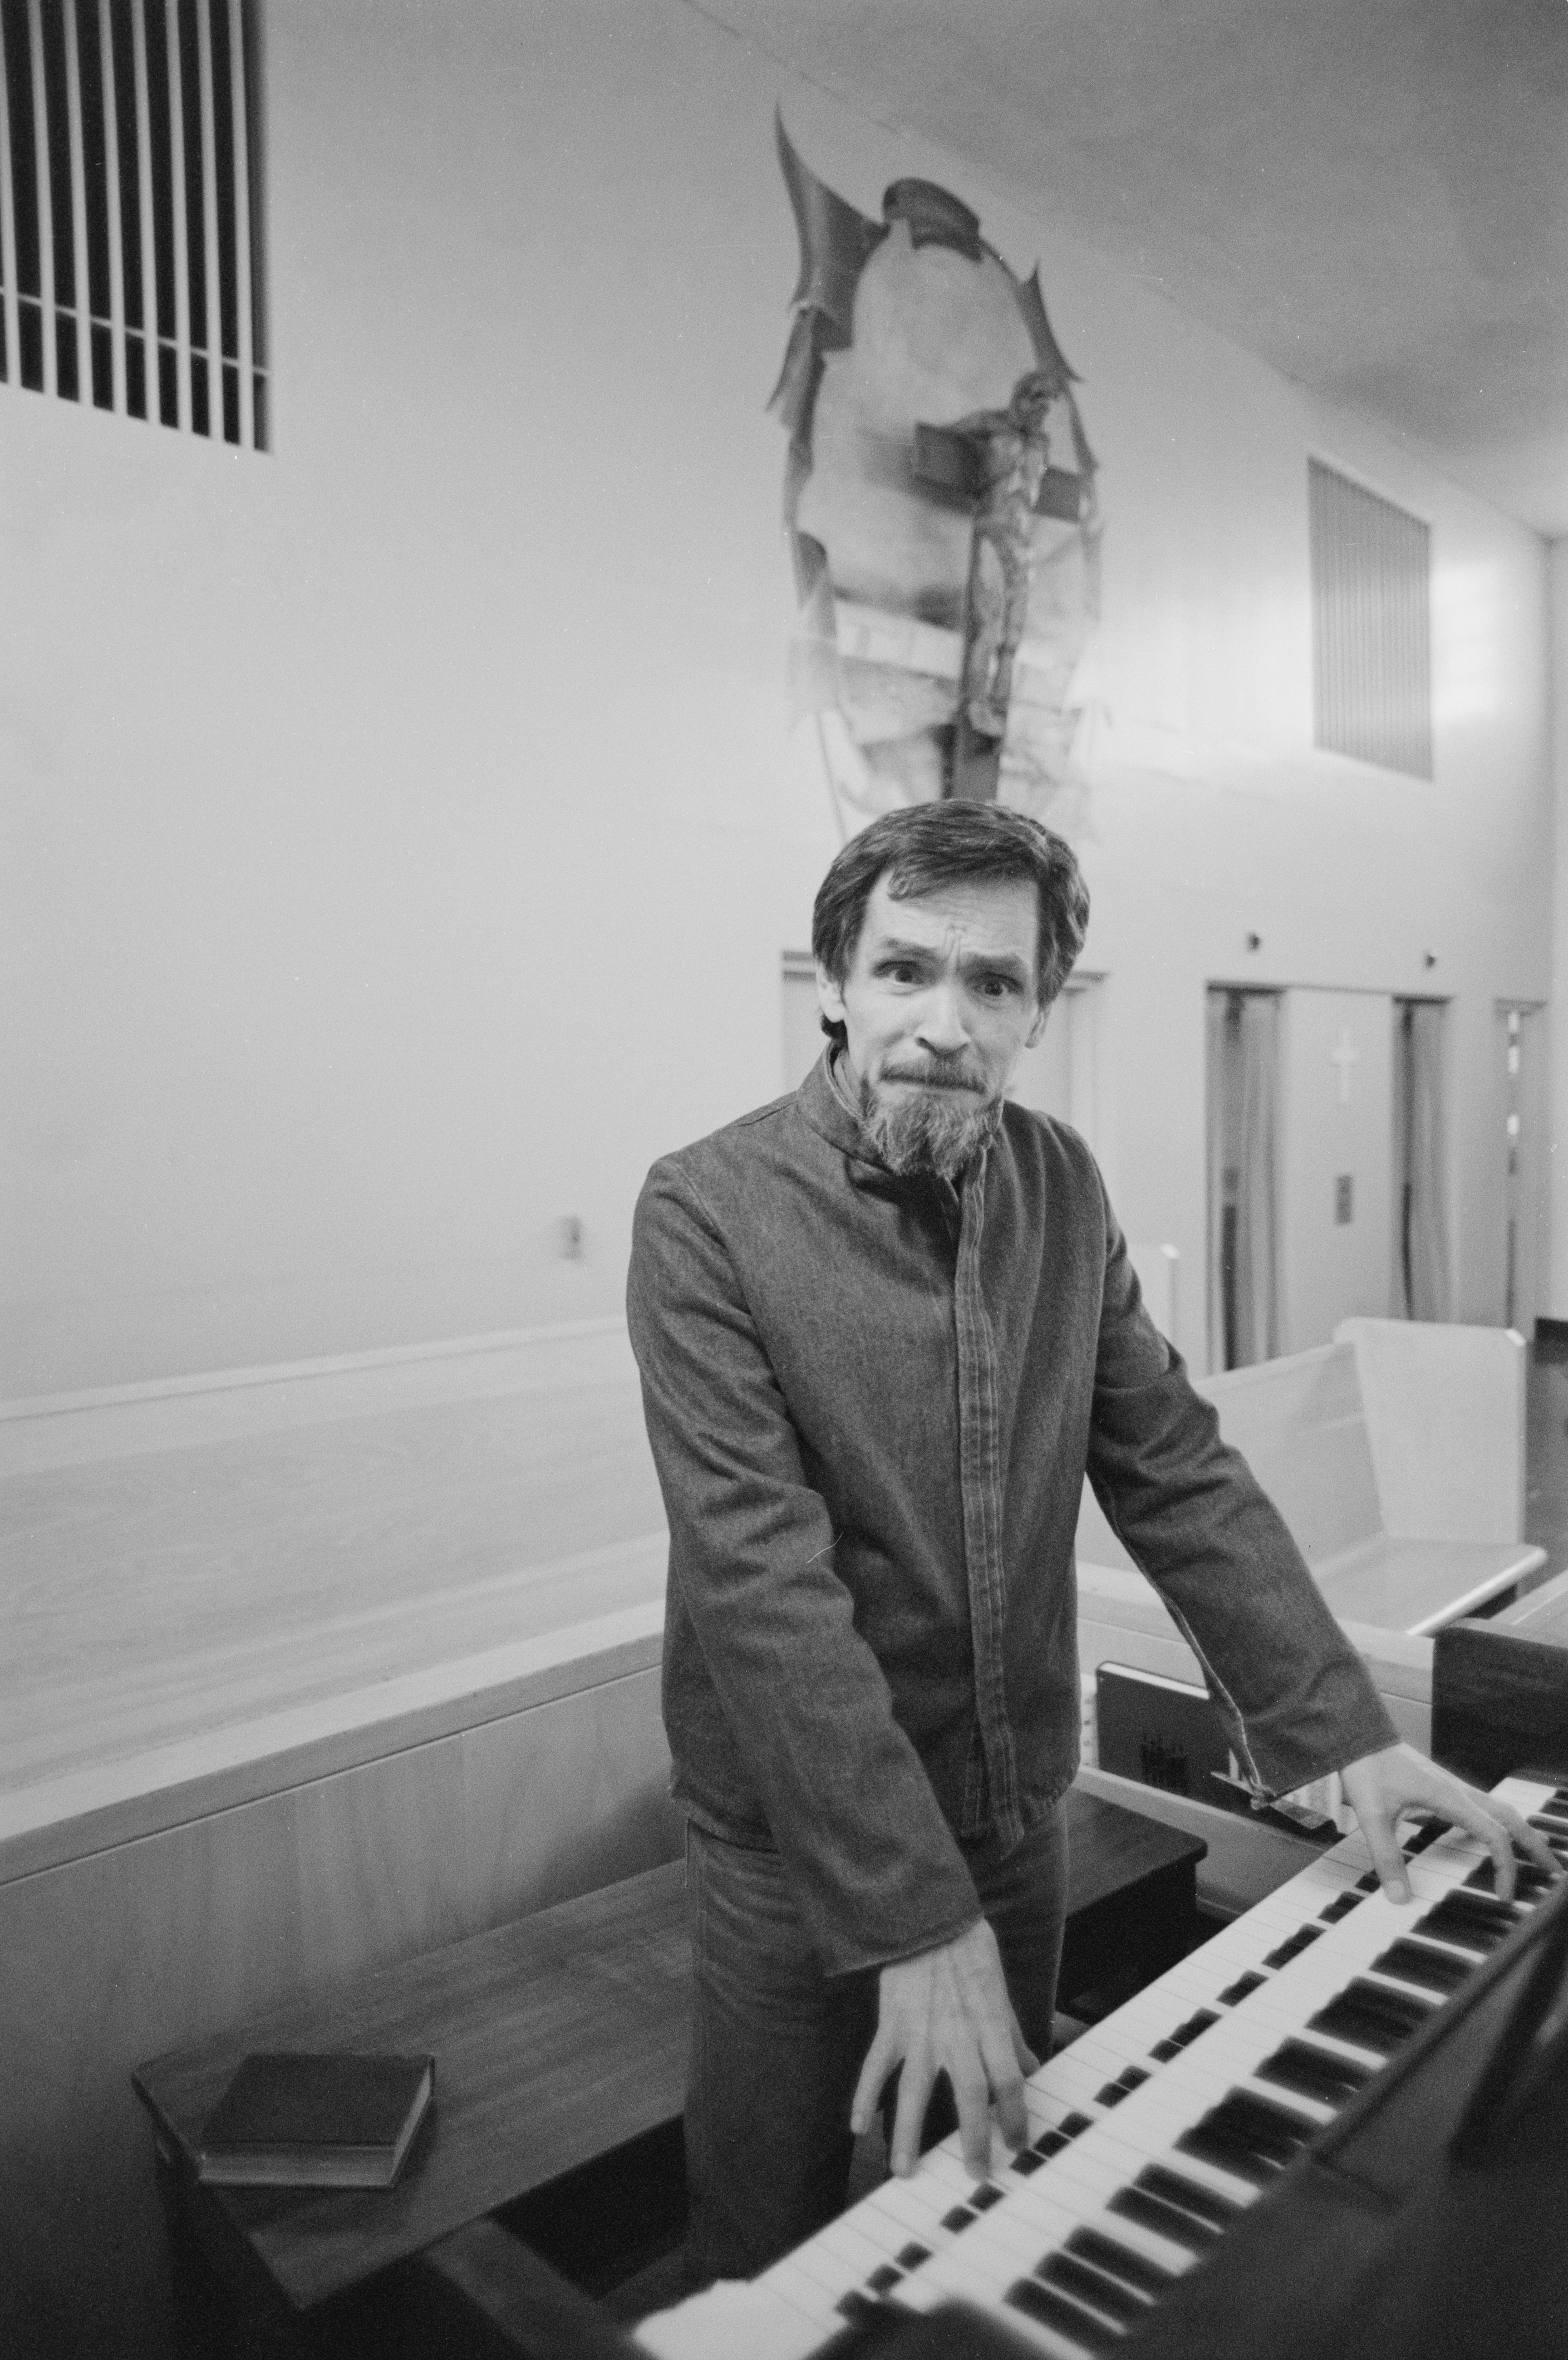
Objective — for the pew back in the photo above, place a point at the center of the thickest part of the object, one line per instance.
(1395, 1456)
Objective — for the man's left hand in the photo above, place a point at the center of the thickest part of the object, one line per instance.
(1380, 1787)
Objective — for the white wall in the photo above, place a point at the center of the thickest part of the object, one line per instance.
(403, 826)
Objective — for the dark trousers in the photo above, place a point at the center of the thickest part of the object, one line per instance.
(776, 2045)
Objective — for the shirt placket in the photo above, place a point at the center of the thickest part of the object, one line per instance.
(980, 1480)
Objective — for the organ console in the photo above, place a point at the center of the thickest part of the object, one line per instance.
(1340, 2127)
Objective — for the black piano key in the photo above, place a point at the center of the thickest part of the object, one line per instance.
(959, 2218)
(1424, 1963)
(1369, 1882)
(1131, 2077)
(1222, 2149)
(857, 2306)
(1529, 1882)
(1549, 1822)
(1274, 2127)
(1194, 2028)
(1119, 2261)
(1175, 2188)
(1559, 1794)
(1248, 2134)
(1050, 2143)
(1296, 2065)
(1165, 2050)
(1072, 2125)
(910, 2256)
(982, 2197)
(1055, 2310)
(1234, 1993)
(1076, 2278)
(880, 2280)
(1475, 1920)
(1024, 2161)
(1340, 1908)
(1370, 2017)
(1293, 1947)
(1168, 2220)
(1425, 1836)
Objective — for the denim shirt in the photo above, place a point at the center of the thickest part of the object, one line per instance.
(872, 1401)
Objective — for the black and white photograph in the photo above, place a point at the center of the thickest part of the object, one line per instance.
(783, 1179)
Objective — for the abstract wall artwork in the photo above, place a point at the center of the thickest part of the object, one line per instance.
(942, 509)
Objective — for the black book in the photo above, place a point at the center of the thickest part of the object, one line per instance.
(289, 2120)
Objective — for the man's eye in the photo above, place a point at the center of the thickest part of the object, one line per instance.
(900, 971)
(997, 987)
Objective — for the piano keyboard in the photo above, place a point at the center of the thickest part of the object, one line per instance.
(1160, 2125)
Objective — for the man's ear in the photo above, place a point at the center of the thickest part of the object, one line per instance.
(1037, 1027)
(829, 999)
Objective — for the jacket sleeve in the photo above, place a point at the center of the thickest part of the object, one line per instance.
(1294, 1695)
(807, 1715)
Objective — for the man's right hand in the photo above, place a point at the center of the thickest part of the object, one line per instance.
(947, 2011)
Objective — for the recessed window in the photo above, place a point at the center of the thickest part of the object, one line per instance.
(1371, 626)
(132, 257)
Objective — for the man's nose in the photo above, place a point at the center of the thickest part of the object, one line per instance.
(941, 1027)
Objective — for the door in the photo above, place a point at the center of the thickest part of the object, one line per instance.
(1421, 1259)
(1337, 1140)
(1244, 1176)
(1061, 1075)
(802, 1038)
(1520, 1056)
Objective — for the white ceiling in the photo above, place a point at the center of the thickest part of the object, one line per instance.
(1372, 195)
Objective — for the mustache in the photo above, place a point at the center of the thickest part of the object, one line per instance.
(937, 1077)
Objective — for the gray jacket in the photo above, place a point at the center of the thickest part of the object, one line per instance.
(872, 1402)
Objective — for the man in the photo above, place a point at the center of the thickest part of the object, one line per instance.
(884, 1328)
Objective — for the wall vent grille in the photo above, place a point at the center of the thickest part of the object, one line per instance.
(1371, 626)
(132, 261)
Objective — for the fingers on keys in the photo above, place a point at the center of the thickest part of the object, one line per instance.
(1387, 1858)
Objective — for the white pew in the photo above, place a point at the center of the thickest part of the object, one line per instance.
(1396, 1457)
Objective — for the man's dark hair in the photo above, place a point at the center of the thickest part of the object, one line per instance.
(924, 846)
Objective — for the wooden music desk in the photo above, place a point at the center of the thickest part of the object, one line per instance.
(559, 2039)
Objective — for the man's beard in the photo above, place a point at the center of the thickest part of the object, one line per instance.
(934, 1130)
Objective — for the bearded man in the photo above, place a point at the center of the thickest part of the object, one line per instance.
(884, 1327)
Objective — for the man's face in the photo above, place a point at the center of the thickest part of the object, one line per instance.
(938, 1004)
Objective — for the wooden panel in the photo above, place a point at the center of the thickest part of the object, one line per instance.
(1500, 1704)
(583, 2006)
(1113, 1846)
(560, 2038)
(1541, 1614)
(1244, 1864)
(88, 1809)
(151, 1944)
